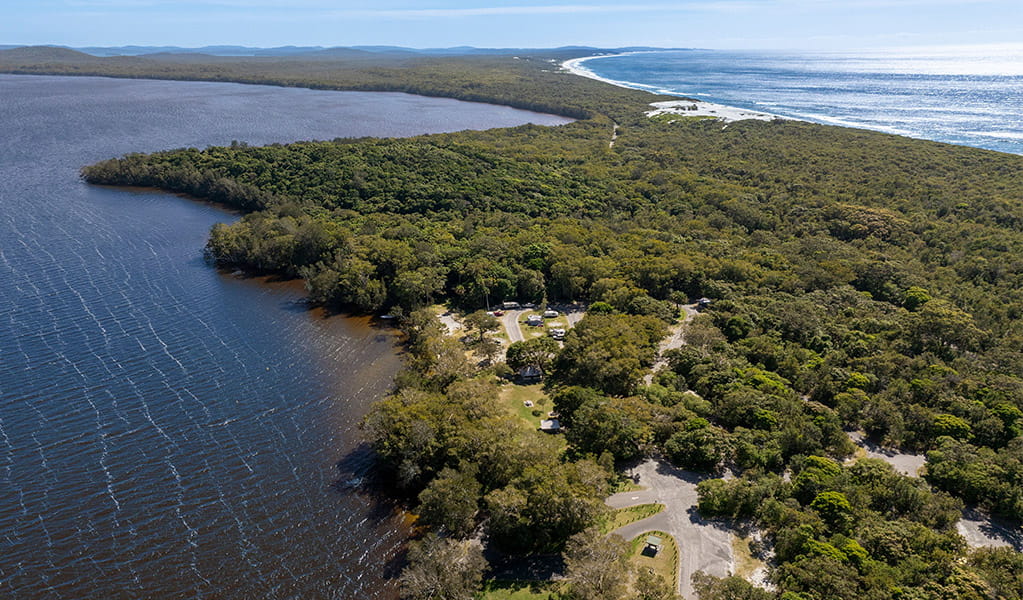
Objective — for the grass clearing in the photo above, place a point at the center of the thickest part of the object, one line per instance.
(664, 562)
(630, 514)
(529, 332)
(625, 484)
(515, 396)
(745, 562)
(520, 590)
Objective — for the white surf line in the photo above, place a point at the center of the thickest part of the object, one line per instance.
(683, 108)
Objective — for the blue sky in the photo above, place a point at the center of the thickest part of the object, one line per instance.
(782, 24)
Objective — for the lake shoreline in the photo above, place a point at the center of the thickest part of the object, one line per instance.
(207, 417)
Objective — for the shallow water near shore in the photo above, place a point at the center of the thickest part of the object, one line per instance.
(167, 430)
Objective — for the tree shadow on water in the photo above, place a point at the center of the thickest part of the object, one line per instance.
(379, 505)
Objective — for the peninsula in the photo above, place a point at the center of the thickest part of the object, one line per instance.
(758, 299)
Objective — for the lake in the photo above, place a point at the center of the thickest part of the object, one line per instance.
(167, 430)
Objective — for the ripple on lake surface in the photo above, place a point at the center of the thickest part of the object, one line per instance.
(165, 430)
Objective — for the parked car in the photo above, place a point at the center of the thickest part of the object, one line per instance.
(498, 313)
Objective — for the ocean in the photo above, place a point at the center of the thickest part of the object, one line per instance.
(960, 96)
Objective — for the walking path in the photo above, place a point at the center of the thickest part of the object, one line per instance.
(703, 545)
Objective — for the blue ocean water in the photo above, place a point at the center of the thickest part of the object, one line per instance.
(972, 97)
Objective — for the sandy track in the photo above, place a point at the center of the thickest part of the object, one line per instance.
(676, 339)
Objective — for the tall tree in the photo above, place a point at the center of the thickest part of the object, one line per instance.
(443, 569)
(596, 566)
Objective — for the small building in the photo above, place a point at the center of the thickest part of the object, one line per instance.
(531, 372)
(550, 426)
(653, 544)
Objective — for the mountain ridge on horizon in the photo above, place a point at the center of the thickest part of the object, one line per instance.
(308, 51)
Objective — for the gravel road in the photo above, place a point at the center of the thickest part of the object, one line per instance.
(905, 463)
(978, 528)
(703, 545)
(676, 339)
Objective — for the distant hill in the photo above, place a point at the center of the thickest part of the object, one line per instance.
(303, 51)
(44, 54)
(208, 50)
(345, 53)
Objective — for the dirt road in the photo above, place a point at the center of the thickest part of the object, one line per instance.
(676, 339)
(978, 528)
(907, 464)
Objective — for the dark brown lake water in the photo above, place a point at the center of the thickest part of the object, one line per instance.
(168, 431)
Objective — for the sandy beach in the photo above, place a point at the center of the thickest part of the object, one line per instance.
(683, 108)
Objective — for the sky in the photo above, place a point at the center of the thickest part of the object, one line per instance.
(722, 24)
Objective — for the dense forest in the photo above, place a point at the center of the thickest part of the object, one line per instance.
(858, 281)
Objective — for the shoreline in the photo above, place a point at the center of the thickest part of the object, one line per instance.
(685, 108)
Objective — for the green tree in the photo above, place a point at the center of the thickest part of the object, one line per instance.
(915, 297)
(450, 502)
(951, 426)
(615, 425)
(537, 352)
(481, 323)
(443, 569)
(651, 586)
(727, 588)
(609, 352)
(834, 508)
(596, 566)
(699, 447)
